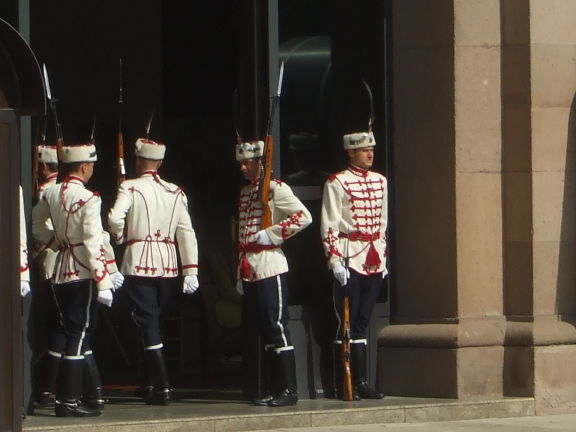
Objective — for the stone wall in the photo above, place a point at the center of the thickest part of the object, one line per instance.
(486, 201)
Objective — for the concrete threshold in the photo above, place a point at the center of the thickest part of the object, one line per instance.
(216, 415)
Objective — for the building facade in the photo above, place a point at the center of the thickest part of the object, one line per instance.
(484, 212)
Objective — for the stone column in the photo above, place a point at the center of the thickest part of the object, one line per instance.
(539, 201)
(448, 329)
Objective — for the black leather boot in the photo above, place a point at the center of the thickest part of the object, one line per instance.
(145, 391)
(92, 387)
(68, 392)
(161, 394)
(284, 369)
(268, 387)
(46, 373)
(361, 388)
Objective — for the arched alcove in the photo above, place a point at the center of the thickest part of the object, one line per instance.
(21, 93)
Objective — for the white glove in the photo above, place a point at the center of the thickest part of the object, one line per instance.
(24, 288)
(239, 287)
(341, 274)
(191, 284)
(262, 238)
(105, 297)
(117, 279)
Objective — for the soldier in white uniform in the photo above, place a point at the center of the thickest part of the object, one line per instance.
(151, 216)
(263, 267)
(353, 227)
(46, 369)
(68, 219)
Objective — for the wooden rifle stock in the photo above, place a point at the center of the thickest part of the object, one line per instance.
(347, 393)
(121, 170)
(265, 179)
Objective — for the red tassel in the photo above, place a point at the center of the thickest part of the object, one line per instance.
(372, 257)
(245, 269)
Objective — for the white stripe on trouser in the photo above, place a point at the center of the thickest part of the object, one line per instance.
(153, 347)
(359, 341)
(54, 354)
(87, 322)
(76, 357)
(286, 348)
(279, 285)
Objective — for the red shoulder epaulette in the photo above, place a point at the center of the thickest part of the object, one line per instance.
(335, 175)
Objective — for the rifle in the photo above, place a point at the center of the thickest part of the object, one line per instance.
(35, 156)
(121, 169)
(347, 393)
(266, 171)
(57, 125)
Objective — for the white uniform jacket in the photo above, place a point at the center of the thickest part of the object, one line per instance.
(24, 268)
(289, 216)
(45, 256)
(68, 219)
(354, 220)
(149, 215)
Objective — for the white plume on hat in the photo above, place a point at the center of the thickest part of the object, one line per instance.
(148, 149)
(47, 154)
(79, 153)
(249, 150)
(359, 140)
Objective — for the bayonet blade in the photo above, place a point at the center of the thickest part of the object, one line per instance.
(280, 78)
(149, 124)
(93, 129)
(371, 99)
(275, 99)
(53, 101)
(47, 82)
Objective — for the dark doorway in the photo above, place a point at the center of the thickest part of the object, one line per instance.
(183, 61)
(179, 61)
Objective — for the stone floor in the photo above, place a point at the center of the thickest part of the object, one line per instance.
(226, 412)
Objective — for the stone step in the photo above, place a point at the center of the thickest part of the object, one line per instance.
(206, 415)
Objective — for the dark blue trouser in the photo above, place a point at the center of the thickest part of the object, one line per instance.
(362, 291)
(78, 308)
(150, 296)
(267, 300)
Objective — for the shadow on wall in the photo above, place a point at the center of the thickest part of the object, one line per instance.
(566, 292)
